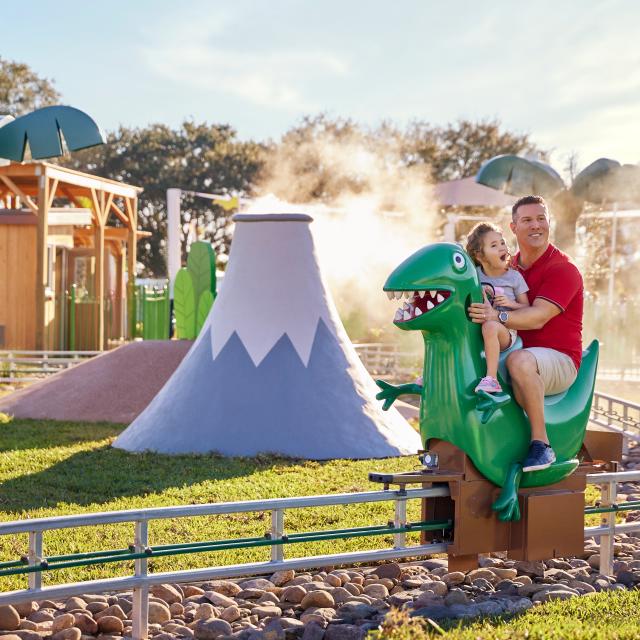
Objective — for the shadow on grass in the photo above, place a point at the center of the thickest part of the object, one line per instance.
(103, 473)
(17, 435)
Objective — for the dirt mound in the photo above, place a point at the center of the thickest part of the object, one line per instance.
(112, 387)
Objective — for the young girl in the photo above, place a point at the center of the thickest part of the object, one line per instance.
(505, 288)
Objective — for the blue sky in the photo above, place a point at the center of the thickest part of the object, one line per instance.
(565, 71)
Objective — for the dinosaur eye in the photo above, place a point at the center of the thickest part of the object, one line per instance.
(459, 263)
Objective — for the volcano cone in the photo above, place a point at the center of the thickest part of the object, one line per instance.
(273, 369)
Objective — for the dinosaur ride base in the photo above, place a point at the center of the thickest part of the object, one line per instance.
(552, 516)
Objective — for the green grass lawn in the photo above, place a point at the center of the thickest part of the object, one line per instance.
(602, 616)
(53, 468)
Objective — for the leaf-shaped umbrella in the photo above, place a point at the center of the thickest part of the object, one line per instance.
(44, 130)
(519, 177)
(606, 180)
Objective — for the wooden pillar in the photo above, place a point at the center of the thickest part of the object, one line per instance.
(42, 265)
(98, 247)
(132, 239)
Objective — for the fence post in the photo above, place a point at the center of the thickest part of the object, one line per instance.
(277, 531)
(140, 612)
(609, 492)
(400, 520)
(72, 318)
(35, 557)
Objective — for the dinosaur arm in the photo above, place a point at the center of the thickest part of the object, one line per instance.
(389, 392)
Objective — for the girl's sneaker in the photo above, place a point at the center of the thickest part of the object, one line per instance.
(489, 384)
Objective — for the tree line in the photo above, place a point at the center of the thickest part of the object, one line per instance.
(205, 157)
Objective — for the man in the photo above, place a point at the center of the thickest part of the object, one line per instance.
(551, 328)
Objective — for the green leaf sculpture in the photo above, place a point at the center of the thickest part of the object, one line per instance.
(205, 302)
(184, 304)
(202, 265)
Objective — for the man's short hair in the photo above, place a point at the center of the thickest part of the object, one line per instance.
(527, 200)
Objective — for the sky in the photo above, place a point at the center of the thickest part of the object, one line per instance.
(567, 72)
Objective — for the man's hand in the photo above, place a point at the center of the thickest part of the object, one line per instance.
(480, 312)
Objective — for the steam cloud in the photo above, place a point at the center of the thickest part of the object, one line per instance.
(370, 212)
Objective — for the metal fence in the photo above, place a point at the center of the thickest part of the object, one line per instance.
(35, 560)
(29, 366)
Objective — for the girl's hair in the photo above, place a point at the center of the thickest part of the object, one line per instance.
(474, 239)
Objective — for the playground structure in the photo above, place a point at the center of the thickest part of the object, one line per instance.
(272, 369)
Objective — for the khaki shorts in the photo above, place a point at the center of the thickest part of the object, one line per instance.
(557, 370)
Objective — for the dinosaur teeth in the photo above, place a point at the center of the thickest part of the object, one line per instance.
(418, 312)
(421, 293)
(433, 293)
(430, 305)
(398, 315)
(397, 295)
(406, 316)
(406, 306)
(390, 295)
(440, 298)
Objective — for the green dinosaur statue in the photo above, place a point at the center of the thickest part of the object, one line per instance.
(441, 281)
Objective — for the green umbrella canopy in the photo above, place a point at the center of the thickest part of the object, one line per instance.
(44, 129)
(520, 177)
(606, 180)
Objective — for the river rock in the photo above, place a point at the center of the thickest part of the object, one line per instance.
(71, 633)
(27, 625)
(453, 578)
(352, 611)
(322, 615)
(9, 618)
(166, 592)
(532, 568)
(85, 623)
(391, 570)
(110, 624)
(158, 613)
(313, 631)
(267, 611)
(225, 587)
(344, 632)
(560, 594)
(190, 590)
(212, 629)
(280, 578)
(218, 599)
(257, 583)
(42, 615)
(206, 611)
(293, 594)
(230, 614)
(113, 610)
(320, 599)
(376, 590)
(96, 607)
(456, 597)
(502, 573)
(64, 621)
(475, 574)
(25, 609)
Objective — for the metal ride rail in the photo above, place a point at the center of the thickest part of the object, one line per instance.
(140, 551)
(29, 366)
(35, 562)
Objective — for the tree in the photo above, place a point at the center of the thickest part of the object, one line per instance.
(22, 90)
(459, 149)
(194, 157)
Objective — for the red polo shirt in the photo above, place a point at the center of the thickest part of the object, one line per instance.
(554, 277)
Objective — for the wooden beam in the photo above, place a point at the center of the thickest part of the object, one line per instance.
(106, 206)
(52, 192)
(23, 196)
(42, 265)
(92, 182)
(97, 209)
(120, 214)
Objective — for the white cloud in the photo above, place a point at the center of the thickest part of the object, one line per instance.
(192, 55)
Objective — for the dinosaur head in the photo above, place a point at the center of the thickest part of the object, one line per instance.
(437, 283)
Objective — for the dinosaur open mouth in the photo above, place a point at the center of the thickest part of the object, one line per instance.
(417, 302)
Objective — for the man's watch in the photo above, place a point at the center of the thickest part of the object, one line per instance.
(503, 316)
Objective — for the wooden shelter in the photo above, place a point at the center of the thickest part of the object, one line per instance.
(44, 249)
